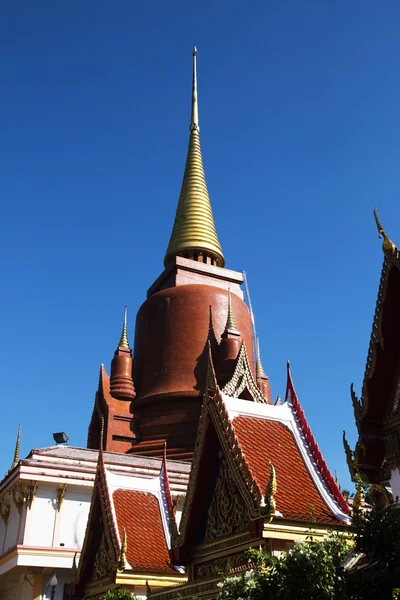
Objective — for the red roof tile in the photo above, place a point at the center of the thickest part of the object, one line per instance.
(297, 496)
(139, 514)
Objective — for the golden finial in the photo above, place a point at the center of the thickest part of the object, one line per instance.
(123, 342)
(230, 326)
(259, 368)
(194, 228)
(388, 247)
(122, 556)
(16, 451)
(194, 121)
(271, 489)
(359, 498)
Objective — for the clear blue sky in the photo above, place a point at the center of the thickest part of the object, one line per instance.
(299, 114)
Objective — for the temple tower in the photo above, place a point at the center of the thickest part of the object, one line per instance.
(194, 296)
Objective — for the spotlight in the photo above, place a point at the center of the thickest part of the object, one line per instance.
(60, 437)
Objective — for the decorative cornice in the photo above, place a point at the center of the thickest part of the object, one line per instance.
(18, 494)
(31, 494)
(243, 378)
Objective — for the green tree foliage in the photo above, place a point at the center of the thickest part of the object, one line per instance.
(377, 536)
(118, 594)
(310, 571)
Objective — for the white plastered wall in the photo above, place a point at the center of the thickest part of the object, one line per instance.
(395, 484)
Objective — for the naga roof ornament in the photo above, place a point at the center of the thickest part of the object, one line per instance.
(194, 227)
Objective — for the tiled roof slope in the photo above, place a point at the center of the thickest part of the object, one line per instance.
(297, 497)
(138, 513)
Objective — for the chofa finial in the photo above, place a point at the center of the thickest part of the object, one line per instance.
(388, 247)
(123, 342)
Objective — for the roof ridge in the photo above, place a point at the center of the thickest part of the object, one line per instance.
(294, 403)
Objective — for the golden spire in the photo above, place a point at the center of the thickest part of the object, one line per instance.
(388, 247)
(16, 451)
(123, 342)
(230, 326)
(259, 368)
(194, 228)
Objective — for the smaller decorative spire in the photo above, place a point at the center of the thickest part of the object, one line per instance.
(359, 498)
(16, 451)
(123, 342)
(259, 368)
(388, 247)
(230, 327)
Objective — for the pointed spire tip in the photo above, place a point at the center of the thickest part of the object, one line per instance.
(194, 51)
(123, 342)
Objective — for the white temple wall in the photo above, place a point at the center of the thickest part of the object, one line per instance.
(73, 518)
(395, 484)
(40, 522)
(2, 533)
(12, 528)
(63, 576)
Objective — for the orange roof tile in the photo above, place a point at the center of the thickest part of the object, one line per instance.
(139, 514)
(297, 496)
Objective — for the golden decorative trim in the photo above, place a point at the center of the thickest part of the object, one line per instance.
(122, 556)
(60, 496)
(359, 498)
(194, 228)
(104, 562)
(31, 494)
(74, 574)
(271, 490)
(4, 512)
(243, 378)
(228, 513)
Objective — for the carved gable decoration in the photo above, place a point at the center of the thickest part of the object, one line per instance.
(228, 513)
(104, 562)
(242, 379)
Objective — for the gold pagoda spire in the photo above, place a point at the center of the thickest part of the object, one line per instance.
(16, 451)
(387, 246)
(259, 368)
(123, 342)
(194, 230)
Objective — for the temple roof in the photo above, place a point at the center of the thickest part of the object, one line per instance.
(380, 395)
(194, 227)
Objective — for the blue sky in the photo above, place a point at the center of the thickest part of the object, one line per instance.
(300, 128)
